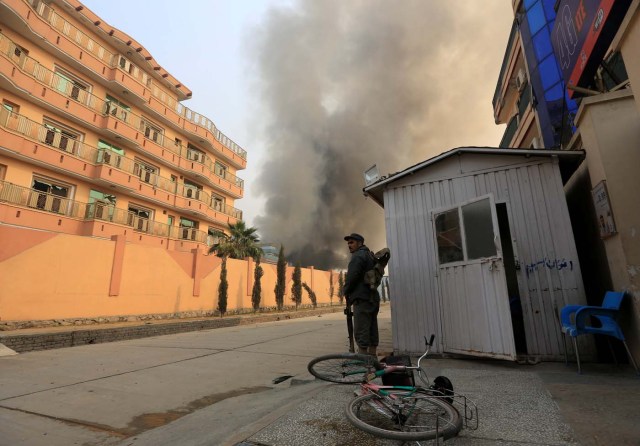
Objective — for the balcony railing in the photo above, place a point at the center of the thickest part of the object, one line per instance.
(43, 201)
(113, 60)
(509, 132)
(49, 78)
(512, 37)
(37, 132)
(200, 195)
(524, 101)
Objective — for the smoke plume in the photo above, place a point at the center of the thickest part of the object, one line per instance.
(345, 85)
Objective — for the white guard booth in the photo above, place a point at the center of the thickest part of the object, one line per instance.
(482, 252)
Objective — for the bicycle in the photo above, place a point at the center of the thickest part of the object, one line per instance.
(399, 412)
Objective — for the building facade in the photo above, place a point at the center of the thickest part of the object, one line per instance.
(568, 83)
(95, 141)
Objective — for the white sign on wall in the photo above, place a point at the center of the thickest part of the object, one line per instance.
(606, 225)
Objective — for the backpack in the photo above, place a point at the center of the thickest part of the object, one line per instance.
(373, 277)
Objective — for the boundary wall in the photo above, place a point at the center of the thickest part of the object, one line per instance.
(47, 276)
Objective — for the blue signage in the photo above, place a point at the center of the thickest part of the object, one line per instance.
(582, 34)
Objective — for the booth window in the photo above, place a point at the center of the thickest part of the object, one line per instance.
(475, 223)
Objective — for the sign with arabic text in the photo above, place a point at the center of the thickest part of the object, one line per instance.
(606, 224)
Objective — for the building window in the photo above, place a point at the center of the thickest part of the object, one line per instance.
(61, 137)
(101, 205)
(139, 217)
(146, 172)
(192, 190)
(109, 154)
(214, 235)
(19, 52)
(3, 171)
(220, 169)
(188, 229)
(217, 202)
(150, 131)
(126, 65)
(70, 86)
(195, 154)
(9, 115)
(116, 108)
(11, 107)
(49, 195)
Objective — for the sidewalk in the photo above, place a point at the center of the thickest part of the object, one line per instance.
(545, 404)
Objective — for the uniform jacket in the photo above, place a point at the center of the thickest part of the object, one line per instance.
(354, 287)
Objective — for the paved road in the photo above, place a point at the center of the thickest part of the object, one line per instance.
(217, 387)
(106, 393)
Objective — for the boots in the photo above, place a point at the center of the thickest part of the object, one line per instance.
(368, 350)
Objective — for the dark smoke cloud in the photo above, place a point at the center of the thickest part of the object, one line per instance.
(344, 85)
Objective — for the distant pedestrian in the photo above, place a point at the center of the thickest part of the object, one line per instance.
(365, 301)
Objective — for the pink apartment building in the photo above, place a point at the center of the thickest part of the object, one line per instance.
(95, 141)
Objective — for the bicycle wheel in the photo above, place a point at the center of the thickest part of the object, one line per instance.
(343, 368)
(418, 416)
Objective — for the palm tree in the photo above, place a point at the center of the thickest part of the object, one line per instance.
(241, 242)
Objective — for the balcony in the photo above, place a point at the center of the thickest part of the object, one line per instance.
(85, 107)
(87, 214)
(504, 86)
(509, 132)
(59, 151)
(524, 102)
(199, 201)
(116, 68)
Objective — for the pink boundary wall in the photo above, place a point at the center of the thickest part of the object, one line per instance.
(45, 276)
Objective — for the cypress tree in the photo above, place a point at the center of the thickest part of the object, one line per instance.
(341, 287)
(331, 287)
(296, 287)
(223, 288)
(281, 278)
(258, 272)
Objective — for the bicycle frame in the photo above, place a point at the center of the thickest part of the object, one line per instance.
(397, 404)
(468, 407)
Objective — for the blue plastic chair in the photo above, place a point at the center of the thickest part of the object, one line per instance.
(582, 317)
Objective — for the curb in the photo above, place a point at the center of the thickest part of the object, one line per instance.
(51, 339)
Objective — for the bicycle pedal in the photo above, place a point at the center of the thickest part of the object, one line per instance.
(358, 392)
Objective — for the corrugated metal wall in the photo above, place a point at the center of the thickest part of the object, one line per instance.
(540, 230)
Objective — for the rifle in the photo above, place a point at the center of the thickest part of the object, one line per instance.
(349, 314)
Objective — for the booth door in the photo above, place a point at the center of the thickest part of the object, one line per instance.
(474, 302)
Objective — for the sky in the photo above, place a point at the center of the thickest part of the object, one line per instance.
(317, 91)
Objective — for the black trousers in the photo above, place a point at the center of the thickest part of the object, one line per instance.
(365, 322)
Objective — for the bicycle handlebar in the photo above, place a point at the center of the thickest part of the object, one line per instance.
(429, 343)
